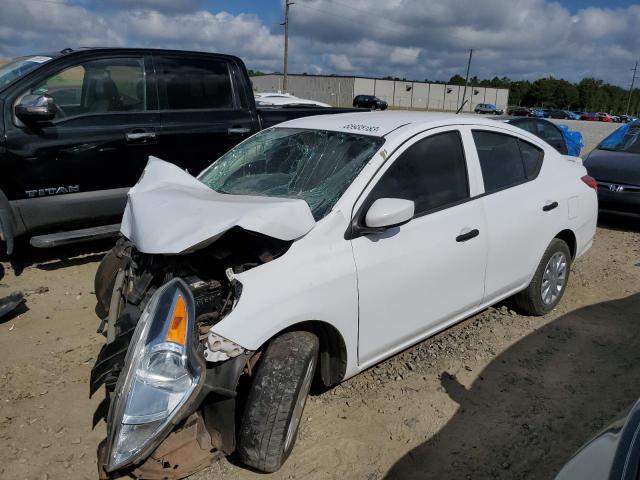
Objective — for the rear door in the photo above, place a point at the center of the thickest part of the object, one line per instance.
(78, 168)
(522, 214)
(205, 109)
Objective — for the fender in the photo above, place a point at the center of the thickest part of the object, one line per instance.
(8, 224)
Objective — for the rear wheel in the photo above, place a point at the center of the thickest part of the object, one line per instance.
(549, 282)
(276, 400)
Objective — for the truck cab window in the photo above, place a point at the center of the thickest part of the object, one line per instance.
(105, 85)
(196, 83)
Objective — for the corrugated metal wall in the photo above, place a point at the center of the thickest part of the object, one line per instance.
(339, 91)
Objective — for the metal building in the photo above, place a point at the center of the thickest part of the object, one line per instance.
(340, 91)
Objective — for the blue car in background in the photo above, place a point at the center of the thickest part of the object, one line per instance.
(540, 112)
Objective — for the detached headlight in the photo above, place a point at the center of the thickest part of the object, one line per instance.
(163, 372)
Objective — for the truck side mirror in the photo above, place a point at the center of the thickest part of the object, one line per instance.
(36, 109)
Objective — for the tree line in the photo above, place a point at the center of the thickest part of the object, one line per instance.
(589, 95)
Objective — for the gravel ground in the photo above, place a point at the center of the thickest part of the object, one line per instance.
(500, 395)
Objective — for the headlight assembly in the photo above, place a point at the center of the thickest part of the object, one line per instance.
(163, 372)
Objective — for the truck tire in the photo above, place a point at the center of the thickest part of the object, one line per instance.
(549, 282)
(276, 399)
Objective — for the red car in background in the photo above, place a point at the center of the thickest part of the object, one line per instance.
(596, 117)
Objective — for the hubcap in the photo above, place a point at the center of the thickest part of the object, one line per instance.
(554, 277)
(299, 406)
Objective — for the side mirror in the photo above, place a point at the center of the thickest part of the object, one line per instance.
(34, 109)
(389, 212)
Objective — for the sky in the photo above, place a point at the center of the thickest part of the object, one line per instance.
(413, 39)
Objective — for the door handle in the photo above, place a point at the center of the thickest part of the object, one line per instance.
(238, 131)
(463, 237)
(140, 137)
(549, 206)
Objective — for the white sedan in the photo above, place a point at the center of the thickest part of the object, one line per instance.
(318, 248)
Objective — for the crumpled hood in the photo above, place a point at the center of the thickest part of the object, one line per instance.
(170, 212)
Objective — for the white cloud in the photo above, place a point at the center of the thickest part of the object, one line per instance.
(340, 62)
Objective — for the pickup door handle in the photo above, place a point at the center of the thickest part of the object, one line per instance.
(238, 131)
(463, 237)
(140, 137)
(549, 206)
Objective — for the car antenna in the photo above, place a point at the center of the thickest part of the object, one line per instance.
(461, 107)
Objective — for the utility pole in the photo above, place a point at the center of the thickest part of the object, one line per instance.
(633, 81)
(466, 80)
(287, 4)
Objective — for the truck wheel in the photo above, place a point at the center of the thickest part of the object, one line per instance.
(549, 282)
(269, 426)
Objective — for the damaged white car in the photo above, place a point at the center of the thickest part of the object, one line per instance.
(310, 252)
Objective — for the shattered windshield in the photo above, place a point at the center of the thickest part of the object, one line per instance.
(316, 166)
(624, 139)
(19, 67)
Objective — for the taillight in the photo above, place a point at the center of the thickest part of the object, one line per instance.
(590, 181)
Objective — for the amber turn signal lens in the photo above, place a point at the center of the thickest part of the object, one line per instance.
(177, 330)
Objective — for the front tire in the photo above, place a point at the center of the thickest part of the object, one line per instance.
(276, 400)
(549, 282)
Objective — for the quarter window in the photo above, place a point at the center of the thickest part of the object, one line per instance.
(505, 160)
(432, 172)
(97, 86)
(196, 83)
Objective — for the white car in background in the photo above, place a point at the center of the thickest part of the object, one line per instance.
(316, 249)
(279, 99)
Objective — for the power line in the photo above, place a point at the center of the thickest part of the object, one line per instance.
(633, 80)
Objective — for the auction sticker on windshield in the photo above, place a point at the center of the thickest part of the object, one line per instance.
(361, 128)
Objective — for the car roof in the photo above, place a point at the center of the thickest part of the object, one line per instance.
(381, 124)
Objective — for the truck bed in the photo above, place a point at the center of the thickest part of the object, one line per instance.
(270, 116)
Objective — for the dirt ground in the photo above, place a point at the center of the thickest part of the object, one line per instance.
(500, 395)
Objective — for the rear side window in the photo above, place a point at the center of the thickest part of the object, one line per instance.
(196, 83)
(432, 173)
(532, 159)
(506, 161)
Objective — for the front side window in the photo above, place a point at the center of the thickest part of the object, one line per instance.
(505, 161)
(316, 166)
(432, 172)
(97, 86)
(196, 83)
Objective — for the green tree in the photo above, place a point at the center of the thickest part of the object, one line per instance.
(456, 80)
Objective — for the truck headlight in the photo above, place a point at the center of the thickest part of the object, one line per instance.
(163, 371)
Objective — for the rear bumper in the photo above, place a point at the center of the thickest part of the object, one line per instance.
(619, 202)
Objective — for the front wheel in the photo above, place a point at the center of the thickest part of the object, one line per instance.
(276, 400)
(549, 282)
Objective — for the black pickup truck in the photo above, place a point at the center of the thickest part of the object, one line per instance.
(79, 125)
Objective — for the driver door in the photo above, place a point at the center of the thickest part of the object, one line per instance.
(78, 168)
(415, 279)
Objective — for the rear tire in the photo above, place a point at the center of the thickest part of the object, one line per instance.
(275, 403)
(549, 282)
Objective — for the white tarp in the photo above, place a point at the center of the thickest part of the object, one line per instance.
(170, 212)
